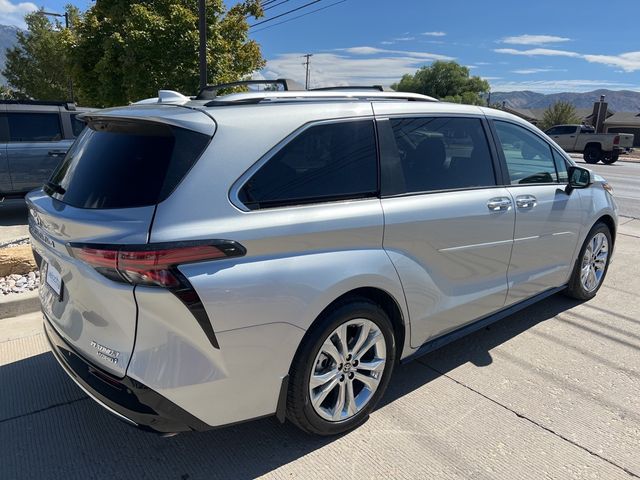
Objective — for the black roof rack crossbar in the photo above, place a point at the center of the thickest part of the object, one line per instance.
(210, 92)
(377, 88)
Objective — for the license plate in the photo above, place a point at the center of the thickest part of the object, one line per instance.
(54, 279)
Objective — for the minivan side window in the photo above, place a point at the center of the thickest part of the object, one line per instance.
(439, 153)
(529, 158)
(34, 127)
(325, 162)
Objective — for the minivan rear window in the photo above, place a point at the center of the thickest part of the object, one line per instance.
(123, 164)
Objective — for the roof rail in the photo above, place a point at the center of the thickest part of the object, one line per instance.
(53, 103)
(305, 95)
(377, 88)
(211, 91)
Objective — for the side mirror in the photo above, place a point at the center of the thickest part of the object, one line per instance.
(579, 178)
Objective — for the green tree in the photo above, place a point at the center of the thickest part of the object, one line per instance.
(560, 113)
(448, 81)
(39, 64)
(127, 51)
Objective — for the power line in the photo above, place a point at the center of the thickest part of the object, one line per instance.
(285, 13)
(276, 5)
(299, 16)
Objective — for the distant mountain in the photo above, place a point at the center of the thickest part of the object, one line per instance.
(7, 40)
(619, 100)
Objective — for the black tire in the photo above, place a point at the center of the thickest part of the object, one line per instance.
(576, 289)
(299, 408)
(611, 159)
(592, 154)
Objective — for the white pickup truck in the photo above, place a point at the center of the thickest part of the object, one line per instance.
(594, 146)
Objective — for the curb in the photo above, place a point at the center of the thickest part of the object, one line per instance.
(19, 304)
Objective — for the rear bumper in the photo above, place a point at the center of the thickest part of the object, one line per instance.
(126, 398)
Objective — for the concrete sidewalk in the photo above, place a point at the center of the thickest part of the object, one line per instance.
(551, 392)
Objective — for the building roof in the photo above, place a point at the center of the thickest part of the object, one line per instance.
(624, 118)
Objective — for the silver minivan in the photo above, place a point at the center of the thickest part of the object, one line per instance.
(213, 260)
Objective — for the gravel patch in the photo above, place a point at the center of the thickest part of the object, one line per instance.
(19, 283)
(15, 283)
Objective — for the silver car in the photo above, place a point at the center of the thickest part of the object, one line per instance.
(211, 261)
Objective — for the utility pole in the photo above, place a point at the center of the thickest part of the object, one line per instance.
(66, 26)
(306, 64)
(202, 26)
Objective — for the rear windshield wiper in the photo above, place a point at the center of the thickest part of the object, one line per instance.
(54, 187)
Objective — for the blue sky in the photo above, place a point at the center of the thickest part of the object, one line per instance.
(543, 45)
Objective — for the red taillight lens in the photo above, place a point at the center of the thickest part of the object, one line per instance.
(616, 140)
(154, 266)
(149, 266)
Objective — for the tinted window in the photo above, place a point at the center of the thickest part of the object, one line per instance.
(325, 162)
(34, 127)
(76, 125)
(439, 154)
(125, 164)
(561, 167)
(554, 131)
(528, 157)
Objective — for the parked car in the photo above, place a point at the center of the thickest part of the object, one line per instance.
(211, 261)
(34, 138)
(594, 146)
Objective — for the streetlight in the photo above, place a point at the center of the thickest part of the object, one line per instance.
(64, 15)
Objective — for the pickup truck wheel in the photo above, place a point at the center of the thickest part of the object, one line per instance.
(611, 159)
(592, 154)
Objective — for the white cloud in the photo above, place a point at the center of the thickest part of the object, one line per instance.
(13, 13)
(366, 50)
(538, 51)
(529, 71)
(629, 62)
(403, 39)
(434, 34)
(534, 39)
(555, 86)
(353, 66)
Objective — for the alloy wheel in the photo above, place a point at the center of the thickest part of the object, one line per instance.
(594, 262)
(347, 370)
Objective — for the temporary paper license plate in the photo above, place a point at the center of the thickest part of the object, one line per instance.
(54, 279)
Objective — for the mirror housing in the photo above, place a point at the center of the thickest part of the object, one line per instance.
(579, 177)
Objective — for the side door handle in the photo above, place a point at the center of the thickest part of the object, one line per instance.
(526, 201)
(56, 153)
(498, 204)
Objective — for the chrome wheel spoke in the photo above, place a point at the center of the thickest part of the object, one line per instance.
(370, 382)
(370, 342)
(318, 380)
(330, 349)
(341, 334)
(339, 406)
(363, 334)
(375, 365)
(324, 391)
(352, 408)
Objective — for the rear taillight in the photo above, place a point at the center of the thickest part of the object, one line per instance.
(616, 140)
(153, 265)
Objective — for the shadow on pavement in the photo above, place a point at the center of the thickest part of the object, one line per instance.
(49, 429)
